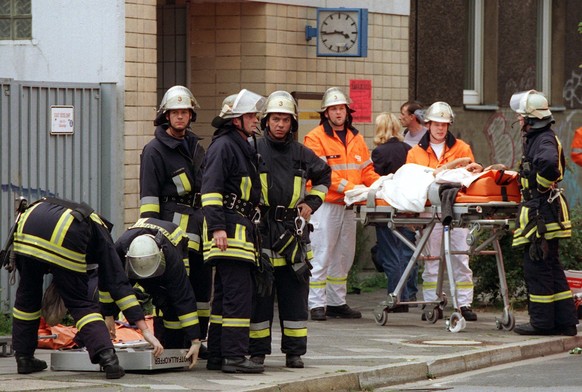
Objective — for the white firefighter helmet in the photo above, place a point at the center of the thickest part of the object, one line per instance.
(144, 258)
(334, 96)
(281, 102)
(530, 104)
(227, 103)
(245, 102)
(178, 97)
(439, 112)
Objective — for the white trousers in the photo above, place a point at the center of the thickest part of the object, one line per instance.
(334, 245)
(460, 263)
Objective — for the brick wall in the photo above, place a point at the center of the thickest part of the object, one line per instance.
(140, 94)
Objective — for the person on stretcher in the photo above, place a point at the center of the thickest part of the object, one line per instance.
(438, 148)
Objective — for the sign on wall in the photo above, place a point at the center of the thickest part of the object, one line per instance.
(361, 95)
(62, 120)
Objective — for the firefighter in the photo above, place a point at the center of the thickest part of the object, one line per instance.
(170, 178)
(156, 255)
(231, 191)
(70, 241)
(288, 165)
(344, 149)
(543, 220)
(439, 148)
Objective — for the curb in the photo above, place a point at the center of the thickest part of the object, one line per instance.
(418, 371)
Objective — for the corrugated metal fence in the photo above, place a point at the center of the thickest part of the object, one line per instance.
(35, 162)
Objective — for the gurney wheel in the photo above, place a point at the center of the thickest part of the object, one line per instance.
(456, 323)
(381, 317)
(433, 315)
(508, 326)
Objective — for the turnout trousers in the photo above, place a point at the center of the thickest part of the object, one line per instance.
(228, 334)
(201, 280)
(291, 296)
(334, 245)
(550, 300)
(73, 287)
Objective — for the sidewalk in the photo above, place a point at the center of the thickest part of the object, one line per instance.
(343, 355)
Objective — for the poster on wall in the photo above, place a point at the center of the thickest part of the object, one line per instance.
(361, 95)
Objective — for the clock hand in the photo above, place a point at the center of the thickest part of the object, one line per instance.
(335, 32)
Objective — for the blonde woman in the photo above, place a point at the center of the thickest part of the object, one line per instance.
(391, 254)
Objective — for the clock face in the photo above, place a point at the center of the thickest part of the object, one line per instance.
(338, 32)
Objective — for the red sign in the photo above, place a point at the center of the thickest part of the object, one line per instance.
(361, 95)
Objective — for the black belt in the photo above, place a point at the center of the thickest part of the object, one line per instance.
(192, 200)
(282, 213)
(244, 207)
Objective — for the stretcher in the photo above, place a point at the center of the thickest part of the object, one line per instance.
(488, 218)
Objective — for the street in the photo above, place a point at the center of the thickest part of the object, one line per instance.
(555, 373)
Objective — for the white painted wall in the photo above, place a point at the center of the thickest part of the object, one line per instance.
(81, 41)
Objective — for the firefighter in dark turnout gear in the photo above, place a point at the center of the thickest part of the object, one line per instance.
(543, 220)
(287, 166)
(231, 191)
(70, 241)
(156, 255)
(170, 179)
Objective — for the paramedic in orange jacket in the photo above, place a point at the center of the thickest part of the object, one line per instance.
(333, 240)
(436, 148)
(576, 152)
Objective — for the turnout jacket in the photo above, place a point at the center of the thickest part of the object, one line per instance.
(350, 163)
(170, 179)
(287, 166)
(423, 154)
(542, 167)
(576, 153)
(230, 179)
(73, 237)
(171, 292)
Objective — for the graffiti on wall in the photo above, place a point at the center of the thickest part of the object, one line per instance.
(572, 91)
(503, 136)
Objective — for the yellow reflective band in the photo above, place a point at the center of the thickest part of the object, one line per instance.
(127, 302)
(245, 188)
(320, 284)
(229, 252)
(105, 297)
(90, 318)
(544, 182)
(186, 262)
(61, 228)
(260, 334)
(429, 285)
(295, 333)
(24, 217)
(542, 299)
(203, 312)
(25, 316)
(216, 319)
(337, 280)
(236, 322)
(464, 285)
(563, 295)
(297, 188)
(265, 187)
(149, 208)
(172, 324)
(211, 199)
(187, 320)
(240, 233)
(318, 193)
(182, 183)
(33, 250)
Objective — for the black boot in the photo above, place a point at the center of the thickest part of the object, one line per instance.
(110, 364)
(26, 364)
(240, 365)
(294, 361)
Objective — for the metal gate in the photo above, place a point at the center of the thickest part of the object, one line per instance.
(36, 162)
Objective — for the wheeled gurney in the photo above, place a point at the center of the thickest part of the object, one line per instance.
(489, 217)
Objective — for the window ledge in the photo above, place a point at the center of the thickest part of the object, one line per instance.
(482, 107)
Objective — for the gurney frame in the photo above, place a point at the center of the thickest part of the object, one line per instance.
(490, 220)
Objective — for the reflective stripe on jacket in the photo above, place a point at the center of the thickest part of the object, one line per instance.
(423, 154)
(350, 163)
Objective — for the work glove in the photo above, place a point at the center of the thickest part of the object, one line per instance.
(193, 353)
(302, 271)
(151, 339)
(264, 276)
(538, 249)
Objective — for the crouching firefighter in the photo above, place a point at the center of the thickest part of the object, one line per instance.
(69, 240)
(156, 255)
(542, 220)
(287, 167)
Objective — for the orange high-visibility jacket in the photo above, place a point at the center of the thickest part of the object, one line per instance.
(423, 154)
(576, 152)
(350, 163)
